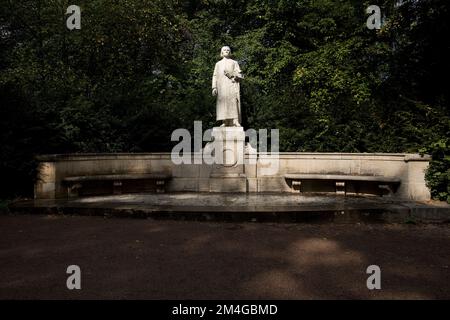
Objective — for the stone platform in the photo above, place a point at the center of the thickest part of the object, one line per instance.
(244, 207)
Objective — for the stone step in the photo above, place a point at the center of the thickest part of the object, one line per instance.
(239, 208)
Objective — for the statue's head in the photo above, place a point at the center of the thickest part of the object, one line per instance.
(225, 52)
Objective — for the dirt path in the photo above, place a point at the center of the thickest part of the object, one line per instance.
(145, 259)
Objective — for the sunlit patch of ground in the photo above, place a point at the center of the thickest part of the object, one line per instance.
(131, 259)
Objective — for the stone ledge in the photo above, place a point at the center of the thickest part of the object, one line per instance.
(343, 177)
(137, 176)
(282, 155)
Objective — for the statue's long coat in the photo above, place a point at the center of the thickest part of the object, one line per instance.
(228, 104)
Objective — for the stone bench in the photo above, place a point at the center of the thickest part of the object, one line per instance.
(74, 184)
(340, 180)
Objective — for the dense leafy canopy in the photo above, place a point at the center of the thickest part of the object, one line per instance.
(138, 69)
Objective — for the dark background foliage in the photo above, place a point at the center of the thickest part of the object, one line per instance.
(138, 69)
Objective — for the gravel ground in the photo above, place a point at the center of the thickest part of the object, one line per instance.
(146, 259)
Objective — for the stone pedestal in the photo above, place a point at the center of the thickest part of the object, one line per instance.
(227, 153)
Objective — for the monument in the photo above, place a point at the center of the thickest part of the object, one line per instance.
(225, 85)
(236, 167)
(228, 174)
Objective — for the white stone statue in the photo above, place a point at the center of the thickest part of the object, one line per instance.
(225, 85)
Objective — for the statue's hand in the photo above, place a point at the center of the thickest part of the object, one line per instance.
(214, 92)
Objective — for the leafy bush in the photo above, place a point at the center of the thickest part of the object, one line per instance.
(438, 173)
(140, 69)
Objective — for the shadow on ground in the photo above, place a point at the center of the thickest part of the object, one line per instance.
(146, 259)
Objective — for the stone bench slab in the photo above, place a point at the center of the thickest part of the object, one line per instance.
(340, 177)
(118, 177)
(74, 184)
(386, 183)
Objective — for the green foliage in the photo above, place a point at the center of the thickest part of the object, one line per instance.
(138, 69)
(438, 172)
(4, 206)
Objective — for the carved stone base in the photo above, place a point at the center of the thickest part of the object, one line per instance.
(228, 172)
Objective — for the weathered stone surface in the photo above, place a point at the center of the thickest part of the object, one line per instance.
(228, 172)
(408, 168)
(245, 207)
